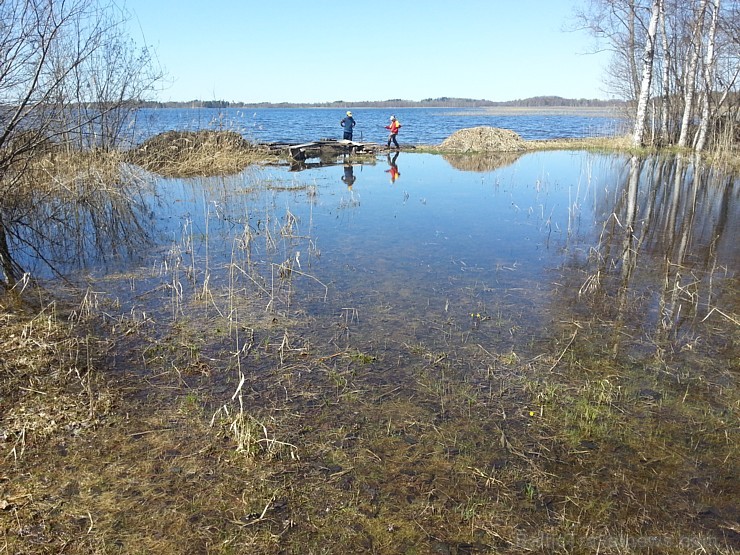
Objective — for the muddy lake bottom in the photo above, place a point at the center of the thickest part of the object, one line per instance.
(394, 356)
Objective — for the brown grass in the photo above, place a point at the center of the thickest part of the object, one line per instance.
(466, 450)
(197, 153)
(48, 382)
(589, 143)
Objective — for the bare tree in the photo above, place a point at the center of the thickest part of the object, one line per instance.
(69, 77)
(66, 68)
(614, 24)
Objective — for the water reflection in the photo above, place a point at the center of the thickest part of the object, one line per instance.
(667, 240)
(349, 174)
(638, 243)
(53, 231)
(643, 244)
(392, 170)
(482, 161)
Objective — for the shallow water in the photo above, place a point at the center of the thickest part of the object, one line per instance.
(434, 251)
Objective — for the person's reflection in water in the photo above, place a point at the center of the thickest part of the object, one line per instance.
(349, 175)
(393, 170)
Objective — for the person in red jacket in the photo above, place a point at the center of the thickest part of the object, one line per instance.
(393, 127)
(393, 170)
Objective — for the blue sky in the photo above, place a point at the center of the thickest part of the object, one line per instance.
(326, 50)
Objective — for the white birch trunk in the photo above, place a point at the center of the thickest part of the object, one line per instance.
(665, 103)
(647, 76)
(688, 101)
(709, 61)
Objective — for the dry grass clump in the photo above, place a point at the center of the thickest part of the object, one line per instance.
(483, 139)
(622, 143)
(47, 382)
(190, 153)
(65, 173)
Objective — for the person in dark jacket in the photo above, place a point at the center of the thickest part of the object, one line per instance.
(393, 127)
(348, 123)
(349, 175)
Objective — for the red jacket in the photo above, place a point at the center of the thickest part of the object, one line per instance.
(394, 127)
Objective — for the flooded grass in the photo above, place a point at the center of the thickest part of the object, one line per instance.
(472, 450)
(411, 401)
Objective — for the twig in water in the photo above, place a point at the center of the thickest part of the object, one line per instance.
(137, 434)
(379, 397)
(730, 318)
(563, 353)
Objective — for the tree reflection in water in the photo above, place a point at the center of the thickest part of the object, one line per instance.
(666, 235)
(66, 225)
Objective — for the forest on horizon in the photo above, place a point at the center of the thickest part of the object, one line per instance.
(442, 102)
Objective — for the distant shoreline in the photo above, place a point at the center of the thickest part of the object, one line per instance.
(606, 111)
(540, 102)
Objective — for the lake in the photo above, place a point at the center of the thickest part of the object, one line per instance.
(420, 125)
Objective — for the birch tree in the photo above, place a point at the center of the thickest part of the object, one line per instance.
(709, 63)
(697, 53)
(691, 74)
(647, 75)
(665, 78)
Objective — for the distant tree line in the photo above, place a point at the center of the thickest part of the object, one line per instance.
(442, 102)
(557, 101)
(676, 63)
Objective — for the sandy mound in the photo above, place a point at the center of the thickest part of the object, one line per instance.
(483, 139)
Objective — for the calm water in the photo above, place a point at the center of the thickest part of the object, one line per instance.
(420, 125)
(524, 242)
